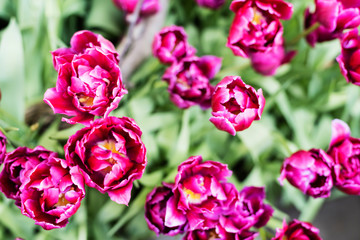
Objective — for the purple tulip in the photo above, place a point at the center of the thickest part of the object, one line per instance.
(334, 17)
(89, 79)
(189, 81)
(345, 151)
(309, 171)
(155, 211)
(349, 59)
(170, 45)
(235, 105)
(214, 4)
(51, 193)
(110, 154)
(198, 194)
(16, 168)
(297, 230)
(2, 147)
(148, 7)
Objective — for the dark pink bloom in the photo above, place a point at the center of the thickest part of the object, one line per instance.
(189, 81)
(2, 147)
(170, 45)
(51, 193)
(148, 7)
(345, 151)
(110, 154)
(309, 171)
(235, 105)
(349, 59)
(214, 4)
(256, 33)
(334, 17)
(17, 165)
(218, 233)
(89, 79)
(198, 194)
(296, 230)
(155, 211)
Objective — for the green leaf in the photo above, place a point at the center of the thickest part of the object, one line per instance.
(12, 80)
(135, 206)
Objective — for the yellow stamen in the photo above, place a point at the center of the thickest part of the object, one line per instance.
(257, 17)
(86, 101)
(191, 196)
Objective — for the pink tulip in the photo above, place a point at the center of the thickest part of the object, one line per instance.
(52, 193)
(110, 155)
(235, 105)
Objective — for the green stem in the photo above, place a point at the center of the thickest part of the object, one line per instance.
(313, 206)
(304, 34)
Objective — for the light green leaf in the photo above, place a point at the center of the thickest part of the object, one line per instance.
(12, 80)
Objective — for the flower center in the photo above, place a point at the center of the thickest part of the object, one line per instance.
(62, 201)
(258, 17)
(108, 145)
(86, 101)
(191, 196)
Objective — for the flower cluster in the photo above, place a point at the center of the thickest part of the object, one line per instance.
(107, 154)
(203, 205)
(257, 33)
(297, 230)
(315, 172)
(235, 105)
(188, 76)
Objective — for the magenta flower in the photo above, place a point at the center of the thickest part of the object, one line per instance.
(89, 82)
(2, 147)
(345, 151)
(17, 165)
(350, 56)
(334, 17)
(110, 154)
(309, 171)
(148, 7)
(256, 33)
(51, 193)
(297, 230)
(235, 105)
(170, 45)
(218, 233)
(189, 81)
(198, 194)
(155, 211)
(214, 4)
